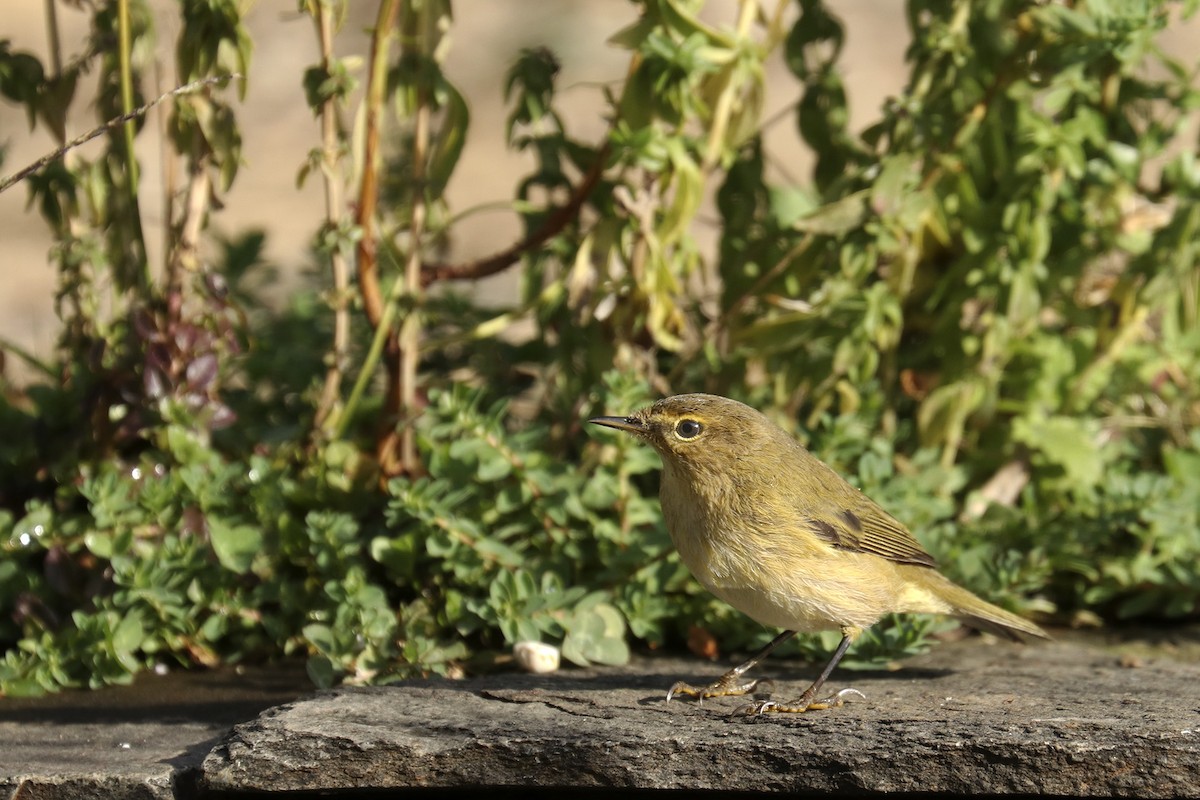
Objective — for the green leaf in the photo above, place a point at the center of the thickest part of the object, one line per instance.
(320, 636)
(688, 187)
(235, 545)
(129, 634)
(836, 218)
(791, 203)
(1068, 442)
(493, 468)
(99, 543)
(397, 553)
(595, 634)
(451, 138)
(321, 671)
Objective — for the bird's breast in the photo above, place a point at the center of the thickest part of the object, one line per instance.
(765, 564)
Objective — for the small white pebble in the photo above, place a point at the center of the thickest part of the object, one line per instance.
(161, 669)
(536, 656)
(124, 746)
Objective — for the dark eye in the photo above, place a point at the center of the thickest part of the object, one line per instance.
(688, 429)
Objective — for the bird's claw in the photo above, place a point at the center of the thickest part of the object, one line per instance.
(799, 707)
(725, 686)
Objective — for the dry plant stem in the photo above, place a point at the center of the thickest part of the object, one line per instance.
(17, 177)
(55, 42)
(331, 391)
(185, 256)
(170, 166)
(368, 264)
(397, 451)
(776, 32)
(341, 421)
(126, 44)
(368, 194)
(410, 328)
(124, 54)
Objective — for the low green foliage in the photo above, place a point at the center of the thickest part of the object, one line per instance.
(984, 310)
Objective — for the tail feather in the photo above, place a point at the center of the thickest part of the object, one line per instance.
(980, 614)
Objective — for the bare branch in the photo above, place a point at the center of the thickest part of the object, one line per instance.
(501, 261)
(15, 178)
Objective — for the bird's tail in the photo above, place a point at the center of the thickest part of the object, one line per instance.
(970, 610)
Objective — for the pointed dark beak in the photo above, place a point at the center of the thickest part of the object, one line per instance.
(631, 424)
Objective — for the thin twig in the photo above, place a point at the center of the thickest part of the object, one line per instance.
(124, 55)
(170, 166)
(54, 37)
(368, 244)
(29, 358)
(397, 452)
(410, 328)
(339, 357)
(17, 177)
(383, 336)
(368, 195)
(482, 268)
(125, 65)
(186, 252)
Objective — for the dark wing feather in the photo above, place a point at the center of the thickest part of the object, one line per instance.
(872, 531)
(846, 518)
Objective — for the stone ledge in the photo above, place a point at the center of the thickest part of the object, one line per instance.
(971, 718)
(141, 742)
(968, 719)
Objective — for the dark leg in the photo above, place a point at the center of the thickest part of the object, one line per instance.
(808, 701)
(730, 683)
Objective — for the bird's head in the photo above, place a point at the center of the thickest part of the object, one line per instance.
(699, 432)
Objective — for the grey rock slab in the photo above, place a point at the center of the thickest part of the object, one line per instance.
(144, 741)
(98, 759)
(970, 718)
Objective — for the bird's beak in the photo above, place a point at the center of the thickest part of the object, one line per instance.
(631, 424)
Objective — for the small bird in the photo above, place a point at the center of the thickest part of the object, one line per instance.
(770, 529)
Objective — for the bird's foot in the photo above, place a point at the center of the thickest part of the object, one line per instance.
(805, 703)
(728, 685)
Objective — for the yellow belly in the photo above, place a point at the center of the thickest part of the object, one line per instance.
(781, 575)
(803, 585)
(813, 596)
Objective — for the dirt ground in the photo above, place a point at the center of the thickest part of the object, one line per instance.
(278, 128)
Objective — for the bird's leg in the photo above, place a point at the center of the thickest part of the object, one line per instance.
(731, 682)
(808, 701)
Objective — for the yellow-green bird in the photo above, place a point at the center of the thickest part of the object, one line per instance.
(770, 529)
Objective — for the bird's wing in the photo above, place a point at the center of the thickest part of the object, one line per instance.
(848, 519)
(870, 529)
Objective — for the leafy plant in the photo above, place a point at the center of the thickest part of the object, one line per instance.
(982, 309)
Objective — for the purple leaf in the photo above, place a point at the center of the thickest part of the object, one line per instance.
(222, 417)
(202, 371)
(155, 382)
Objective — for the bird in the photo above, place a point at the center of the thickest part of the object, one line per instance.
(776, 533)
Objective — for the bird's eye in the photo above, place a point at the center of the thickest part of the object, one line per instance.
(688, 429)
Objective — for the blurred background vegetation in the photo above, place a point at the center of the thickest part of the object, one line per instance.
(983, 308)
